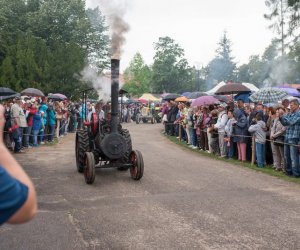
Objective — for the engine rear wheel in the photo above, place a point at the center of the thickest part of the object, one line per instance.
(125, 159)
(89, 168)
(81, 146)
(137, 168)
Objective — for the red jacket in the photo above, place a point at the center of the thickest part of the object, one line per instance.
(32, 112)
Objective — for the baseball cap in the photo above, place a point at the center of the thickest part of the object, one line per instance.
(223, 105)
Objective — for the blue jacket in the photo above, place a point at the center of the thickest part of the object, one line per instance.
(51, 117)
(241, 127)
(37, 121)
(44, 108)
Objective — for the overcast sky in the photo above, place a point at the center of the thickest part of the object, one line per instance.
(197, 26)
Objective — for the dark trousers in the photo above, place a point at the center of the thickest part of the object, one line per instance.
(51, 130)
(204, 140)
(16, 136)
(171, 128)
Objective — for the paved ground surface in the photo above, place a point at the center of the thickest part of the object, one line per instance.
(184, 201)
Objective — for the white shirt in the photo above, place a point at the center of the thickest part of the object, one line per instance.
(221, 123)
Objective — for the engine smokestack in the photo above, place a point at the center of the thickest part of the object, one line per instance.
(115, 67)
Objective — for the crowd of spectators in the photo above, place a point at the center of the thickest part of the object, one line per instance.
(31, 122)
(227, 130)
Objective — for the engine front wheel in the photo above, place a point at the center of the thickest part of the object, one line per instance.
(126, 158)
(81, 146)
(89, 168)
(137, 168)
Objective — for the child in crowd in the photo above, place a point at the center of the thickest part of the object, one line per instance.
(258, 127)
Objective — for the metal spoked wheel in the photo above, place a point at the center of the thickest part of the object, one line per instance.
(81, 146)
(137, 168)
(89, 168)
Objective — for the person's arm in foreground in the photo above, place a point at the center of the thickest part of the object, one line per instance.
(12, 167)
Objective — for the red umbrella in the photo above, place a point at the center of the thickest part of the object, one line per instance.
(141, 100)
(204, 100)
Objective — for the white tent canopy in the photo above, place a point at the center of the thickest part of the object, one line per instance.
(251, 86)
(214, 89)
(125, 99)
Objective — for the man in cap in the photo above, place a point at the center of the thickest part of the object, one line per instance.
(15, 124)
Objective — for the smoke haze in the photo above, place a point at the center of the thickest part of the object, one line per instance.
(114, 11)
(279, 73)
(100, 83)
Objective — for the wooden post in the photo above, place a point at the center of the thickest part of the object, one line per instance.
(180, 132)
(253, 151)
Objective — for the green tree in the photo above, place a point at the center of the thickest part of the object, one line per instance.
(137, 76)
(170, 70)
(46, 43)
(97, 40)
(257, 71)
(285, 17)
(221, 68)
(243, 73)
(7, 74)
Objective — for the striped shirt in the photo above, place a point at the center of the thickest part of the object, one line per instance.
(292, 121)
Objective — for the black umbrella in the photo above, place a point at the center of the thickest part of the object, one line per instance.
(122, 92)
(7, 97)
(32, 92)
(232, 88)
(222, 98)
(171, 97)
(6, 91)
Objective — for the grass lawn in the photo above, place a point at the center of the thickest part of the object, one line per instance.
(267, 170)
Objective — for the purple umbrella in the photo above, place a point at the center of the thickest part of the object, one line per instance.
(204, 100)
(61, 95)
(290, 91)
(57, 96)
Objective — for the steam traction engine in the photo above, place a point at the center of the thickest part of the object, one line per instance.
(104, 143)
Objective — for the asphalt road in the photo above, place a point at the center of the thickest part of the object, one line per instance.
(184, 201)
